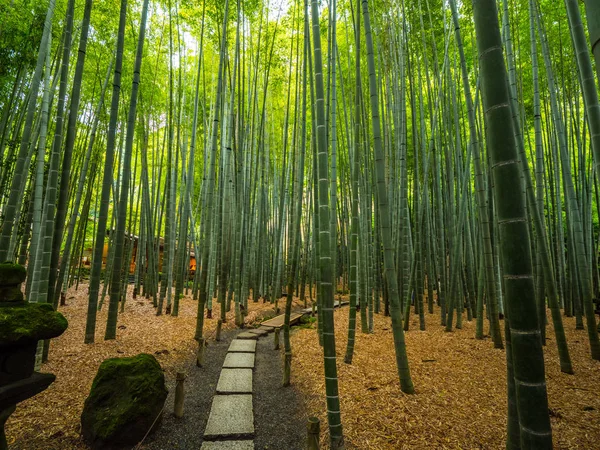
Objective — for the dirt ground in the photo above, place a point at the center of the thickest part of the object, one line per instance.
(51, 420)
(460, 382)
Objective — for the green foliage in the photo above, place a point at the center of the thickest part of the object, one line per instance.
(419, 120)
(84, 272)
(307, 322)
(21, 24)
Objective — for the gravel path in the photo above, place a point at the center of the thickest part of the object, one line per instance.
(279, 417)
(200, 386)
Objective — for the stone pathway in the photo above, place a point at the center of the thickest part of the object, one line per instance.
(230, 423)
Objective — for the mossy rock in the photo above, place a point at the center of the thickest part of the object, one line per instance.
(28, 323)
(127, 397)
(12, 274)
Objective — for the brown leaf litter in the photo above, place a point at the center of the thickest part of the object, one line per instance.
(460, 383)
(51, 420)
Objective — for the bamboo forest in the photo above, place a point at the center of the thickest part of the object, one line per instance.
(299, 224)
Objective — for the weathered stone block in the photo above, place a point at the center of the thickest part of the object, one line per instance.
(228, 445)
(239, 361)
(258, 332)
(247, 335)
(12, 274)
(28, 323)
(242, 346)
(235, 381)
(231, 416)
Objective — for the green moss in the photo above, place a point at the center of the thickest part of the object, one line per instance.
(126, 396)
(11, 294)
(30, 322)
(12, 274)
(266, 317)
(307, 322)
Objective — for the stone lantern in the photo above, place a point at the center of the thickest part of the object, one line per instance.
(22, 325)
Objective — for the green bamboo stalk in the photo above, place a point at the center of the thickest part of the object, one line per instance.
(115, 288)
(90, 327)
(326, 276)
(526, 346)
(390, 271)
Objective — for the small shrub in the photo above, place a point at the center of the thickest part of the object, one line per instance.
(307, 322)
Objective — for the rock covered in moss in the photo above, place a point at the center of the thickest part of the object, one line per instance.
(126, 400)
(27, 323)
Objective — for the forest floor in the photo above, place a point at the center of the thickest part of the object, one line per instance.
(51, 420)
(460, 399)
(460, 383)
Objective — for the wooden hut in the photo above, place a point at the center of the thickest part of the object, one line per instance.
(86, 258)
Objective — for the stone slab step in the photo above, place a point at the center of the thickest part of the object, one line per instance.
(242, 346)
(231, 417)
(266, 328)
(239, 361)
(235, 381)
(258, 332)
(247, 335)
(227, 445)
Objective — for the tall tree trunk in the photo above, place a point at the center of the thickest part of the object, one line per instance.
(107, 180)
(592, 9)
(354, 287)
(10, 210)
(384, 215)
(115, 286)
(326, 276)
(206, 213)
(55, 283)
(526, 346)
